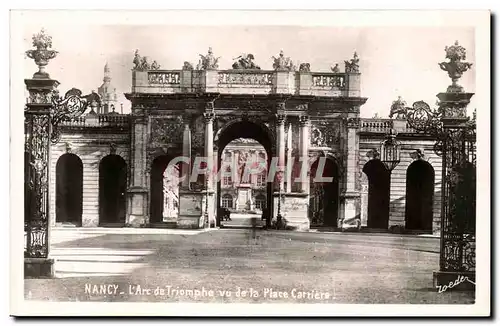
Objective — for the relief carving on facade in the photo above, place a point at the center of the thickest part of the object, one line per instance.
(418, 154)
(166, 132)
(325, 133)
(197, 132)
(353, 122)
(373, 154)
(112, 149)
(69, 147)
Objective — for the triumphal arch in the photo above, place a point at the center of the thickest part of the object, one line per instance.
(292, 111)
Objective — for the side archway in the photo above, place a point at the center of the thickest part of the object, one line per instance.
(112, 189)
(419, 196)
(379, 183)
(164, 193)
(69, 189)
(324, 195)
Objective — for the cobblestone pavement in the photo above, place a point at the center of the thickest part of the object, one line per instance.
(242, 266)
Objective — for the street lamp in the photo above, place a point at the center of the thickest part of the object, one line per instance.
(390, 151)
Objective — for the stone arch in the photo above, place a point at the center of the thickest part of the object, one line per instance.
(164, 188)
(324, 202)
(419, 196)
(244, 128)
(112, 189)
(379, 181)
(69, 189)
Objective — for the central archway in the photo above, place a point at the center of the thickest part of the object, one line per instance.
(260, 133)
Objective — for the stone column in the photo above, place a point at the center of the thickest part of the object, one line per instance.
(209, 155)
(186, 152)
(289, 163)
(209, 148)
(280, 144)
(351, 196)
(138, 193)
(304, 153)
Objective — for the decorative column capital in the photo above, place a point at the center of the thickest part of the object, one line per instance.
(304, 121)
(280, 118)
(209, 117)
(353, 123)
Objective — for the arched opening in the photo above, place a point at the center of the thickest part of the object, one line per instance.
(379, 182)
(244, 152)
(69, 189)
(164, 203)
(324, 194)
(419, 196)
(112, 190)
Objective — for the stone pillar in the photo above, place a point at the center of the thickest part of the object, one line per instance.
(280, 144)
(304, 153)
(351, 196)
(137, 202)
(186, 152)
(209, 148)
(208, 207)
(289, 162)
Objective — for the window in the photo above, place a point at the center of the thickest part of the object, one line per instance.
(260, 202)
(227, 157)
(227, 201)
(226, 179)
(261, 179)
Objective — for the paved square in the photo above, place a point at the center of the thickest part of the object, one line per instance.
(220, 266)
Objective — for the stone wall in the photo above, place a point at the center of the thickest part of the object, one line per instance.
(398, 178)
(90, 148)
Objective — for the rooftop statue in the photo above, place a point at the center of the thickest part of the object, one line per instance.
(455, 67)
(245, 61)
(353, 64)
(335, 69)
(155, 65)
(187, 66)
(283, 63)
(398, 109)
(209, 62)
(142, 64)
(305, 67)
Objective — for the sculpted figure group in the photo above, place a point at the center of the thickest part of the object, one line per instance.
(244, 61)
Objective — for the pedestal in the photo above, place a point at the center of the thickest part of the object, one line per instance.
(38, 268)
(137, 207)
(192, 209)
(294, 209)
(350, 208)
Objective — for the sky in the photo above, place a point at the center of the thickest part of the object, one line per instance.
(394, 61)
